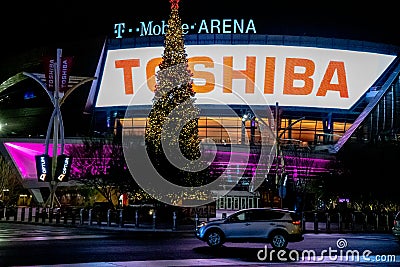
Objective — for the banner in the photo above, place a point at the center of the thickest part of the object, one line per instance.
(49, 72)
(247, 75)
(63, 168)
(43, 168)
(65, 69)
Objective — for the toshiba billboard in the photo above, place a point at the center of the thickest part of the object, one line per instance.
(248, 74)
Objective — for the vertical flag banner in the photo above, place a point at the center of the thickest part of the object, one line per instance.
(43, 168)
(49, 73)
(66, 63)
(65, 70)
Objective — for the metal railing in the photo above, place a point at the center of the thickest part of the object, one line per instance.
(92, 217)
(312, 221)
(341, 222)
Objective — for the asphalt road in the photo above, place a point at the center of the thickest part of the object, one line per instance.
(42, 245)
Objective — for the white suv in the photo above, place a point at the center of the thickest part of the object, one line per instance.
(276, 226)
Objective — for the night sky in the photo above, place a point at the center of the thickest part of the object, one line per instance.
(35, 24)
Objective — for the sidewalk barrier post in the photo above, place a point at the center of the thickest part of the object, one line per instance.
(109, 217)
(196, 220)
(50, 215)
(98, 215)
(174, 220)
(44, 215)
(16, 213)
(339, 222)
(154, 219)
(22, 214)
(58, 216)
(328, 222)
(316, 222)
(65, 216)
(387, 226)
(121, 218)
(136, 218)
(7, 214)
(365, 223)
(353, 222)
(81, 216)
(37, 214)
(73, 217)
(30, 214)
(376, 222)
(90, 217)
(303, 220)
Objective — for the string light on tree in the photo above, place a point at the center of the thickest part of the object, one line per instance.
(173, 92)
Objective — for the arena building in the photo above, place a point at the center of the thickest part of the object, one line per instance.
(316, 94)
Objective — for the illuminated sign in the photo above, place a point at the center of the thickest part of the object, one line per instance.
(43, 168)
(248, 74)
(63, 168)
(151, 28)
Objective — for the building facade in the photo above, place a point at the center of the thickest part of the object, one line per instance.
(304, 97)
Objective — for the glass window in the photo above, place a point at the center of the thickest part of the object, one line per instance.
(229, 203)
(259, 215)
(306, 125)
(230, 122)
(235, 203)
(263, 215)
(202, 133)
(211, 122)
(238, 217)
(319, 126)
(126, 122)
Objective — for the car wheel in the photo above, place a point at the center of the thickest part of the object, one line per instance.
(215, 238)
(279, 240)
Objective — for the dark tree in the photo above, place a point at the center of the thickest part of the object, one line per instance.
(100, 164)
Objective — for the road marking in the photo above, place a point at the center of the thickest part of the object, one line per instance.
(160, 263)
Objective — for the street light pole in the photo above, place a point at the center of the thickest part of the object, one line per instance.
(57, 98)
(56, 129)
(279, 156)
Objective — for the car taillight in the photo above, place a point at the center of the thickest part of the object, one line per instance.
(296, 222)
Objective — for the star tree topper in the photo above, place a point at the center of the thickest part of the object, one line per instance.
(174, 4)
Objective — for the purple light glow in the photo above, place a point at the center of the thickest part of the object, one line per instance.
(296, 167)
(23, 155)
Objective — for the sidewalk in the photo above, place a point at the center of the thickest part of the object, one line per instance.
(145, 228)
(111, 222)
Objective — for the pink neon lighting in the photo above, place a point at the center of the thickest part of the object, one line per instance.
(23, 155)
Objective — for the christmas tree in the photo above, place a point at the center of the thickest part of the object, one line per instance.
(171, 135)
